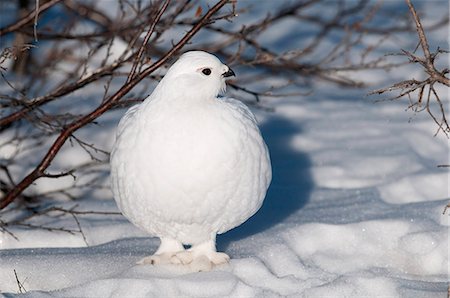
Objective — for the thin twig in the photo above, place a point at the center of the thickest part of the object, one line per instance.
(445, 208)
(409, 87)
(79, 228)
(145, 42)
(19, 284)
(28, 18)
(36, 16)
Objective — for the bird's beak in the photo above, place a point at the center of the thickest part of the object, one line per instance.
(229, 73)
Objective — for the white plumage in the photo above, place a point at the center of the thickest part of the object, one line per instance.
(187, 165)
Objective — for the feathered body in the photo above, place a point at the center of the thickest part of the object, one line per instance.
(187, 165)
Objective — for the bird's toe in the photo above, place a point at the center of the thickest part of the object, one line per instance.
(157, 259)
(182, 257)
(201, 263)
(218, 258)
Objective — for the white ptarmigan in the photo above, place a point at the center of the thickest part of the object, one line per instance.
(188, 165)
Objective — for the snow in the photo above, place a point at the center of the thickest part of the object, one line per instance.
(371, 227)
(354, 210)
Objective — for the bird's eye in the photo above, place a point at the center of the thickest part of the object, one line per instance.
(207, 71)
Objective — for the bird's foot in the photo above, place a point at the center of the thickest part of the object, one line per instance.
(165, 254)
(183, 257)
(201, 257)
(200, 262)
(219, 258)
(158, 259)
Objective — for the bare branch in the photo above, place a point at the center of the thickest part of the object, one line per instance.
(146, 40)
(105, 106)
(408, 87)
(28, 18)
(19, 284)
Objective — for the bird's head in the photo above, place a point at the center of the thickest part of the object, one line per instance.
(198, 74)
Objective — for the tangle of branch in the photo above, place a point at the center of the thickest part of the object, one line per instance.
(426, 88)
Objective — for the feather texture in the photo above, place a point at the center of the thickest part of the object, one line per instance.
(187, 165)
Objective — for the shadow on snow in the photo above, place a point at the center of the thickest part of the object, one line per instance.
(291, 182)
